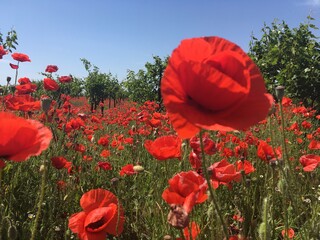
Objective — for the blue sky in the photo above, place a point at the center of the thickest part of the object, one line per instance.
(117, 35)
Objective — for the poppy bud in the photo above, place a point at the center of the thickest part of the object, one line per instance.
(138, 168)
(280, 93)
(178, 217)
(42, 168)
(114, 181)
(12, 232)
(8, 79)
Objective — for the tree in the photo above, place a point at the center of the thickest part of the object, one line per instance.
(99, 86)
(9, 42)
(290, 57)
(145, 84)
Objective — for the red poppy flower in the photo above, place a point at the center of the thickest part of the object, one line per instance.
(286, 102)
(14, 66)
(195, 160)
(127, 170)
(60, 162)
(20, 57)
(208, 145)
(104, 141)
(309, 162)
(186, 189)
(2, 52)
(245, 166)
(101, 215)
(290, 233)
(105, 153)
(50, 85)
(51, 68)
(24, 80)
(224, 173)
(164, 147)
(22, 138)
(26, 88)
(65, 79)
(22, 103)
(314, 145)
(266, 153)
(211, 83)
(195, 230)
(105, 165)
(74, 124)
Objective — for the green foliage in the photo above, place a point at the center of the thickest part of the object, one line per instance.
(76, 88)
(290, 57)
(100, 86)
(9, 42)
(145, 84)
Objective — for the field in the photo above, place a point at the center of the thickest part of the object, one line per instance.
(254, 196)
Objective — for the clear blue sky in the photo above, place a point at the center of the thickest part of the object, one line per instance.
(119, 35)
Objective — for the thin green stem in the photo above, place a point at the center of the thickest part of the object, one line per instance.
(40, 202)
(286, 171)
(16, 77)
(211, 191)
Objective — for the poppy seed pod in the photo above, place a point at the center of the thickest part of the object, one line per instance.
(8, 79)
(280, 92)
(45, 104)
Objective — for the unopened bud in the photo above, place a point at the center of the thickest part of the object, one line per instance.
(138, 168)
(42, 168)
(8, 79)
(114, 181)
(12, 232)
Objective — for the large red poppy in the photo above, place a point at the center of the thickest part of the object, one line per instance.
(51, 68)
(50, 84)
(224, 173)
(101, 215)
(211, 83)
(2, 52)
(164, 147)
(24, 80)
(186, 189)
(22, 138)
(22, 103)
(26, 88)
(309, 162)
(20, 57)
(65, 79)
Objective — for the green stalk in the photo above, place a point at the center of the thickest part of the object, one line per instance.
(212, 193)
(286, 171)
(40, 202)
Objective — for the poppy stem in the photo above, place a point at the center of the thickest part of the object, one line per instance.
(212, 193)
(286, 171)
(41, 198)
(16, 77)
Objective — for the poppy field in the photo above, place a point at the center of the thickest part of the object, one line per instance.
(222, 159)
